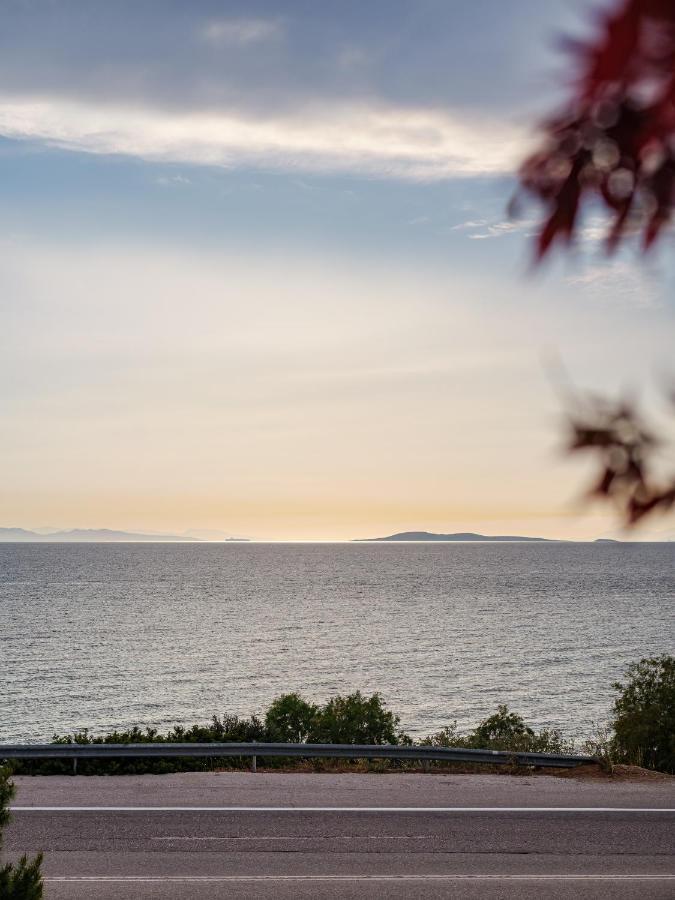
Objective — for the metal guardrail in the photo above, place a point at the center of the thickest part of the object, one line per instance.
(302, 751)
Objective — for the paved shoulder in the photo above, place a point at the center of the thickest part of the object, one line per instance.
(297, 789)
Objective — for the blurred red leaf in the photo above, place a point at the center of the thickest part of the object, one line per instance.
(616, 140)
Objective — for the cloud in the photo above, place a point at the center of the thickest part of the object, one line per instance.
(368, 138)
(472, 223)
(266, 54)
(169, 180)
(240, 32)
(481, 229)
(596, 229)
(618, 281)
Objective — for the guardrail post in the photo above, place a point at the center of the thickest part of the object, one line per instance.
(74, 765)
(254, 763)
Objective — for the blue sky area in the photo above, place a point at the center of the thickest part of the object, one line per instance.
(258, 274)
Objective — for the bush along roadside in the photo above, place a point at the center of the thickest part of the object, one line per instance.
(351, 719)
(641, 732)
(643, 722)
(22, 880)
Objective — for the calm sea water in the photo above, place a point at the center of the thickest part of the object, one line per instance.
(103, 635)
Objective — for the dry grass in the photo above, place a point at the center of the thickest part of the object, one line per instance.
(618, 773)
(374, 767)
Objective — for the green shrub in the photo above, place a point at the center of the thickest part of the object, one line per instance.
(446, 737)
(602, 746)
(228, 729)
(352, 719)
(504, 730)
(644, 714)
(290, 719)
(22, 880)
(6, 794)
(355, 719)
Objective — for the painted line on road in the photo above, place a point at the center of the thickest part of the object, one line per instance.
(350, 809)
(302, 837)
(208, 879)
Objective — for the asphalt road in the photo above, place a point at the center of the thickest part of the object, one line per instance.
(237, 835)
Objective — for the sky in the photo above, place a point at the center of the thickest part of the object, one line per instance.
(258, 278)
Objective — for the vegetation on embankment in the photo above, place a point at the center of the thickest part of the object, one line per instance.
(641, 732)
(351, 719)
(21, 880)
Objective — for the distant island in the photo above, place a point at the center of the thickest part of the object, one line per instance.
(458, 536)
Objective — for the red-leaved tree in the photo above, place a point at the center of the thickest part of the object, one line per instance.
(616, 140)
(614, 145)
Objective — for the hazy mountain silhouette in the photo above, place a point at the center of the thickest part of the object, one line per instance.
(84, 535)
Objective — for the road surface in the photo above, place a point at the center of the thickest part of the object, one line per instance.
(240, 835)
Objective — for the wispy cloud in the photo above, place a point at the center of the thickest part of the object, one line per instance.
(241, 32)
(171, 180)
(420, 220)
(373, 139)
(471, 223)
(618, 281)
(482, 229)
(595, 229)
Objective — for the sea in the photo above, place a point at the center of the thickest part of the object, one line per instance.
(104, 636)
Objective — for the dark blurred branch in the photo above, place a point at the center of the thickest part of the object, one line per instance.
(615, 141)
(625, 451)
(614, 145)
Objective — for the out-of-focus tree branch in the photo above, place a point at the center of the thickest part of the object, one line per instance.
(614, 145)
(615, 142)
(624, 450)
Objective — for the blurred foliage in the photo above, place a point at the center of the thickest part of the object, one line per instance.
(612, 148)
(614, 143)
(625, 451)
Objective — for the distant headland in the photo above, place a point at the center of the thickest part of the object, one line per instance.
(95, 536)
(458, 536)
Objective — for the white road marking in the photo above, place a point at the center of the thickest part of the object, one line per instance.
(201, 879)
(303, 837)
(349, 809)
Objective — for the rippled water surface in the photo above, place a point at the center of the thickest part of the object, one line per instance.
(100, 635)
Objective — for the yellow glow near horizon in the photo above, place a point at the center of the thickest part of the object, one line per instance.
(292, 398)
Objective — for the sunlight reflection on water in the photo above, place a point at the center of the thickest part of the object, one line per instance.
(103, 635)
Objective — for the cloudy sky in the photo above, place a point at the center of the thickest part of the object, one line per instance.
(257, 274)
